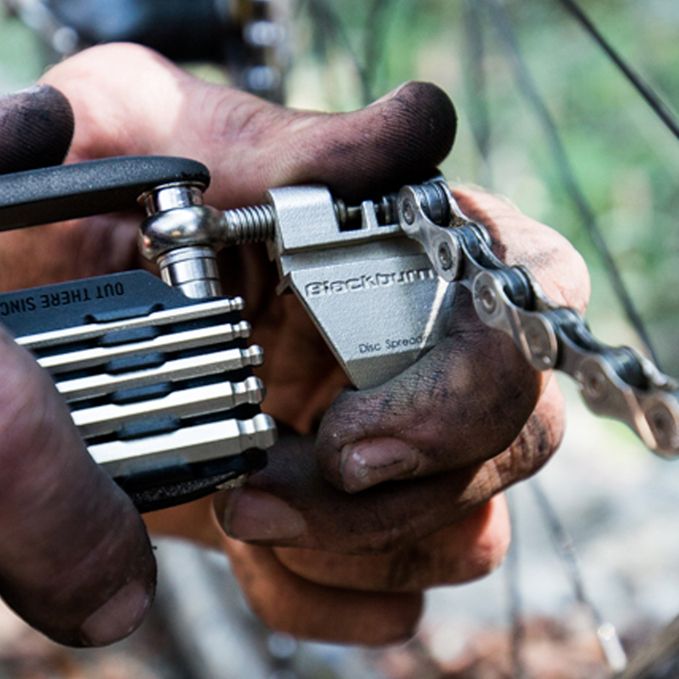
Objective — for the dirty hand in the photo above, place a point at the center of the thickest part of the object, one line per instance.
(342, 532)
(75, 560)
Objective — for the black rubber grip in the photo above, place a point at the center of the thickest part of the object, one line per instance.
(52, 194)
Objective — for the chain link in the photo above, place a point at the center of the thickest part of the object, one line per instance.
(615, 382)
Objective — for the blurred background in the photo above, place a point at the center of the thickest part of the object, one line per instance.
(545, 119)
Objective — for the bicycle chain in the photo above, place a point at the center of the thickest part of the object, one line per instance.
(617, 382)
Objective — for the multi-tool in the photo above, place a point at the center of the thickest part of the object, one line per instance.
(157, 372)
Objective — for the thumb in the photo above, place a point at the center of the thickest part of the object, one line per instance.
(36, 126)
(249, 144)
(75, 561)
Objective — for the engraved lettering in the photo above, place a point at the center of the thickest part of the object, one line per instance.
(405, 342)
(314, 289)
(368, 282)
(116, 289)
(62, 298)
(369, 347)
(17, 306)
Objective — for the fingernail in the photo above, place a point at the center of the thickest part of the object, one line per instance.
(118, 617)
(388, 95)
(32, 90)
(372, 461)
(254, 515)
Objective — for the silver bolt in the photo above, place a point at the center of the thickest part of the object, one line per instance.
(594, 384)
(257, 223)
(541, 343)
(171, 196)
(252, 224)
(193, 270)
(445, 256)
(408, 212)
(488, 299)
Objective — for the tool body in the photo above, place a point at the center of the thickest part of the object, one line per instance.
(158, 374)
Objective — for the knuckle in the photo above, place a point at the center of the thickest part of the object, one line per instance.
(535, 444)
(422, 566)
(86, 64)
(236, 116)
(387, 533)
(382, 541)
(414, 568)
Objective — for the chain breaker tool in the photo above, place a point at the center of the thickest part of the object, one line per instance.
(158, 374)
(357, 275)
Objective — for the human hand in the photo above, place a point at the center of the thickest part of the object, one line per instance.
(434, 525)
(399, 490)
(75, 560)
(61, 558)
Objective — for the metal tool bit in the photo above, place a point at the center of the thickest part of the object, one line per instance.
(156, 318)
(181, 341)
(181, 404)
(212, 363)
(199, 443)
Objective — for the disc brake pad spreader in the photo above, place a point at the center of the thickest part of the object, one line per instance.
(157, 373)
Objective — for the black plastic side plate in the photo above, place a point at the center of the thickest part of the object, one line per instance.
(53, 194)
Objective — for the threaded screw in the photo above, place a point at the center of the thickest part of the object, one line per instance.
(257, 223)
(251, 224)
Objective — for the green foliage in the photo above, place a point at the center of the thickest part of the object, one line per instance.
(20, 55)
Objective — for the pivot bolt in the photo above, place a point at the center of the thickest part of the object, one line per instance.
(408, 212)
(541, 342)
(594, 383)
(445, 257)
(488, 299)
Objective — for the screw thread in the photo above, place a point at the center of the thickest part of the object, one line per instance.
(249, 224)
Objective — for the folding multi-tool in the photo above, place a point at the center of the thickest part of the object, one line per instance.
(157, 372)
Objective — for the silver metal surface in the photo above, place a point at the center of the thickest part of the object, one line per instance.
(178, 228)
(378, 289)
(90, 331)
(171, 196)
(186, 445)
(254, 223)
(371, 291)
(187, 339)
(614, 381)
(532, 333)
(180, 236)
(179, 404)
(440, 244)
(193, 270)
(142, 451)
(211, 363)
